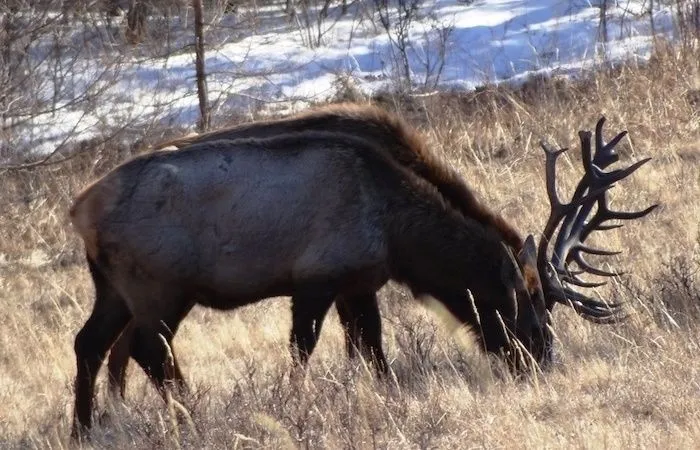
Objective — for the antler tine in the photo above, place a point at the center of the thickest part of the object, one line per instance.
(588, 302)
(605, 154)
(555, 213)
(596, 251)
(597, 314)
(573, 279)
(582, 263)
(550, 172)
(616, 175)
(608, 227)
(605, 320)
(604, 213)
(590, 309)
(586, 155)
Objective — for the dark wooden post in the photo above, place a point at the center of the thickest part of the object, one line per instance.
(205, 117)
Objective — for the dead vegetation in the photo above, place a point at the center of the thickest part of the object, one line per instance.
(628, 385)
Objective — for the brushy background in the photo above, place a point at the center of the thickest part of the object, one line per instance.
(629, 385)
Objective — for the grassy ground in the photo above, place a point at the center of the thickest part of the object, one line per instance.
(628, 385)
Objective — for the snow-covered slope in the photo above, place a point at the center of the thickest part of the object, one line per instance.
(485, 41)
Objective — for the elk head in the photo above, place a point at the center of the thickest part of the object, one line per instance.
(575, 223)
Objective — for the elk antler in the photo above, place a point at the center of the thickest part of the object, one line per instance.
(575, 228)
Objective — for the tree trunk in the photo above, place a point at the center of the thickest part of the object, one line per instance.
(204, 120)
(604, 20)
(136, 21)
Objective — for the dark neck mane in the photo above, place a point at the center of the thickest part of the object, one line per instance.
(436, 250)
(408, 147)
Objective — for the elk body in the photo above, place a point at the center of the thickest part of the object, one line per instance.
(312, 215)
(358, 312)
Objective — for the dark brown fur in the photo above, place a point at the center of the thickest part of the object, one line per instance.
(390, 135)
(407, 232)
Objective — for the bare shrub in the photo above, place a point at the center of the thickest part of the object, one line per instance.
(136, 19)
(432, 55)
(346, 90)
(678, 291)
(315, 19)
(396, 18)
(687, 22)
(43, 71)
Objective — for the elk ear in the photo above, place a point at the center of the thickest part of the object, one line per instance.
(527, 256)
(527, 259)
(513, 278)
(511, 273)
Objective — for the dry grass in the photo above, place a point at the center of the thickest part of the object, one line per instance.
(629, 385)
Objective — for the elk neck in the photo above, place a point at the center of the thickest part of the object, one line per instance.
(437, 251)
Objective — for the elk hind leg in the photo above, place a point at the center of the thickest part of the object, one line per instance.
(130, 343)
(118, 363)
(152, 347)
(158, 308)
(109, 316)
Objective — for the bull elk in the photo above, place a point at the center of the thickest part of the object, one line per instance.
(318, 216)
(359, 314)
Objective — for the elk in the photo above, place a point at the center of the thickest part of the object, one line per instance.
(316, 215)
(313, 215)
(358, 314)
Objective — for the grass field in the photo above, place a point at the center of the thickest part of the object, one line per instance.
(630, 385)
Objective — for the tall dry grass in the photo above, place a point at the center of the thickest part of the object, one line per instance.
(630, 385)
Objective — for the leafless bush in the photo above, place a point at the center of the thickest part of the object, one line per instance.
(431, 55)
(687, 19)
(346, 90)
(417, 339)
(603, 22)
(48, 66)
(315, 19)
(396, 18)
(677, 291)
(136, 19)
